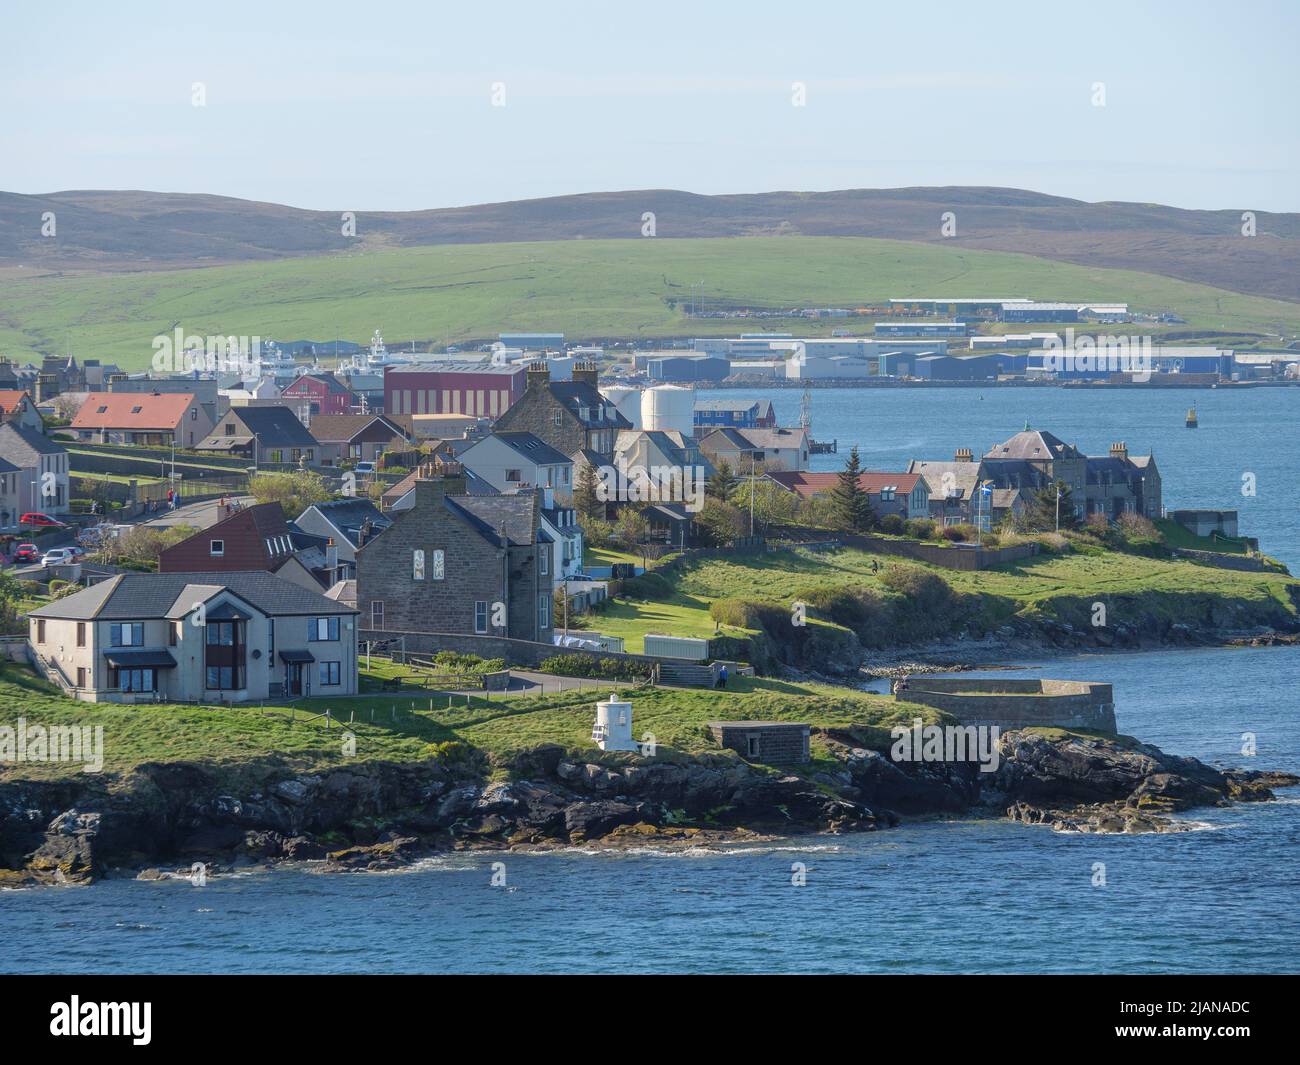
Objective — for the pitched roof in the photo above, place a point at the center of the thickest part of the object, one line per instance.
(1032, 445)
(341, 428)
(23, 447)
(332, 384)
(961, 477)
(132, 410)
(268, 524)
(11, 399)
(530, 448)
(271, 426)
(135, 596)
(349, 515)
(579, 396)
(871, 481)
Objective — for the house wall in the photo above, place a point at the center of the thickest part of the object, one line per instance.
(186, 683)
(474, 571)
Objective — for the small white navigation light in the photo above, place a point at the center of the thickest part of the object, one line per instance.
(613, 728)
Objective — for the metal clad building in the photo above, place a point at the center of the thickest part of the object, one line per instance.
(477, 389)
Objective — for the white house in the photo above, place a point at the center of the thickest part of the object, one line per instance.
(513, 460)
(201, 637)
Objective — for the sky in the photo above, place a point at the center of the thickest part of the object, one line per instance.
(401, 106)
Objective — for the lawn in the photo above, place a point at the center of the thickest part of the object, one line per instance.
(584, 288)
(403, 727)
(780, 576)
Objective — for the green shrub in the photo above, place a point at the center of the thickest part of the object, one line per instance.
(602, 668)
(893, 525)
(920, 528)
(649, 585)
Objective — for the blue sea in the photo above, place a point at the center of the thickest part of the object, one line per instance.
(951, 896)
(943, 896)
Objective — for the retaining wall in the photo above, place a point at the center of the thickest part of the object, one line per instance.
(1012, 704)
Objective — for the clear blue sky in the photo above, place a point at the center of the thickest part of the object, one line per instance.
(387, 105)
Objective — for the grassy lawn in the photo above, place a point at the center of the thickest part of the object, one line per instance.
(403, 727)
(1176, 536)
(452, 293)
(605, 556)
(1026, 587)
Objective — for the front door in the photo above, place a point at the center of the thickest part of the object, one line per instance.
(293, 683)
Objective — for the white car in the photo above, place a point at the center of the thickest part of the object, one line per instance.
(364, 469)
(58, 556)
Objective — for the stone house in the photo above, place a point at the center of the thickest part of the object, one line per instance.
(33, 474)
(571, 416)
(455, 563)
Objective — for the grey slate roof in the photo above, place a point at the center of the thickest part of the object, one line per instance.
(576, 394)
(489, 514)
(23, 446)
(273, 427)
(533, 448)
(349, 515)
(136, 596)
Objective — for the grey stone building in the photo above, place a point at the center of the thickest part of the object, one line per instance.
(456, 563)
(571, 416)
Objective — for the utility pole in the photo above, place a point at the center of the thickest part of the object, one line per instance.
(751, 493)
(1058, 508)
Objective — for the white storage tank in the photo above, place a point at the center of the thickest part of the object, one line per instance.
(668, 407)
(613, 728)
(627, 400)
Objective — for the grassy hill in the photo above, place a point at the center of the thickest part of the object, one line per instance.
(127, 231)
(588, 289)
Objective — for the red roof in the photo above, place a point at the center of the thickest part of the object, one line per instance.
(131, 410)
(11, 399)
(870, 481)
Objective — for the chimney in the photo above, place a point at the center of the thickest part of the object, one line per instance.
(964, 454)
(363, 533)
(585, 372)
(437, 479)
(47, 386)
(539, 375)
(1119, 451)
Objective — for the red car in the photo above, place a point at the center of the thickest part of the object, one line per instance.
(41, 519)
(26, 553)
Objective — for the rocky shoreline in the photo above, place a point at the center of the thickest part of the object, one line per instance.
(380, 815)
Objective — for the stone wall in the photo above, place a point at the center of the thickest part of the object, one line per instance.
(523, 653)
(778, 743)
(1017, 703)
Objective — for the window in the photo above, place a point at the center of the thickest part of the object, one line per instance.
(377, 614)
(133, 680)
(543, 611)
(513, 475)
(751, 746)
(270, 628)
(102, 410)
(40, 630)
(322, 629)
(417, 565)
(173, 632)
(225, 678)
(230, 428)
(136, 410)
(480, 617)
(330, 673)
(439, 567)
(545, 555)
(81, 676)
(217, 548)
(81, 635)
(559, 419)
(130, 634)
(194, 414)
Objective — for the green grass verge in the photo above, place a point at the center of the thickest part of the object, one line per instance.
(403, 727)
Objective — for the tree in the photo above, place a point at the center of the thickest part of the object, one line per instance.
(585, 499)
(1042, 512)
(720, 523)
(850, 507)
(295, 492)
(630, 529)
(722, 483)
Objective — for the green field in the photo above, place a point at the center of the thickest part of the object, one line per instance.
(1032, 586)
(404, 728)
(591, 289)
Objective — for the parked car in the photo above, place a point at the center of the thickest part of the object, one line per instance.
(43, 520)
(26, 553)
(364, 469)
(58, 556)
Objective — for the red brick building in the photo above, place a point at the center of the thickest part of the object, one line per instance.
(253, 538)
(323, 392)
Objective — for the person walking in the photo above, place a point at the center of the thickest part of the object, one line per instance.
(722, 678)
